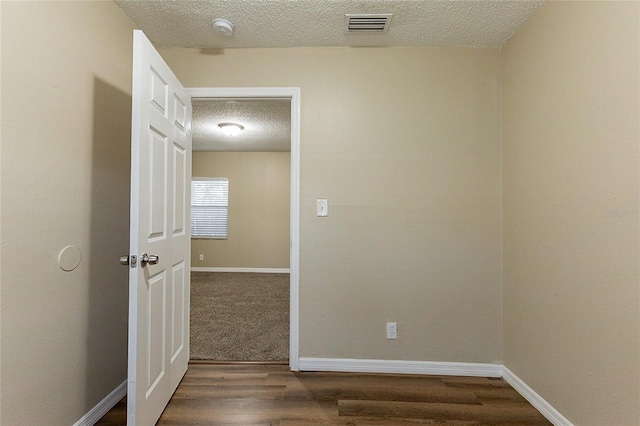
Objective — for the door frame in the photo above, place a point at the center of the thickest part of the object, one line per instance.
(294, 222)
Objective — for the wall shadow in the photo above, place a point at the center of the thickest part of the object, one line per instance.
(212, 51)
(109, 239)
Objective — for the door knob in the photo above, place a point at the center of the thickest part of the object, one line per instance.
(150, 259)
(127, 260)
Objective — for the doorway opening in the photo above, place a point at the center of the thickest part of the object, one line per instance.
(244, 291)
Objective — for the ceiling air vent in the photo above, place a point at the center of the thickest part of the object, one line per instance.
(368, 23)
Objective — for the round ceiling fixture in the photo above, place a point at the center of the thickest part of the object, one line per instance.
(223, 26)
(230, 129)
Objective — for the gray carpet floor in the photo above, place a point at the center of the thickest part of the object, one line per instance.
(239, 316)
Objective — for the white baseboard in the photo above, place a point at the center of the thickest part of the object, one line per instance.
(96, 413)
(534, 399)
(400, 367)
(254, 270)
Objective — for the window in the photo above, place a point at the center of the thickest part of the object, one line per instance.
(209, 207)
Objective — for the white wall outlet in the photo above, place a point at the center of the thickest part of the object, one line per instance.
(201, 257)
(322, 207)
(392, 330)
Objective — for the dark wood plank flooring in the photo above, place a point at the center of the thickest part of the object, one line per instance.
(230, 394)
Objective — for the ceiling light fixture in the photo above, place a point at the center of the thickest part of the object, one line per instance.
(230, 129)
(223, 26)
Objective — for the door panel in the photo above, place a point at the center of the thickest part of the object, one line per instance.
(157, 184)
(177, 311)
(154, 336)
(179, 197)
(160, 225)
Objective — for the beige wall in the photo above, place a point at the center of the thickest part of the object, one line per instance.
(570, 177)
(404, 144)
(258, 228)
(66, 77)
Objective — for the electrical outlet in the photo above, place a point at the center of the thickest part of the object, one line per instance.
(201, 257)
(392, 330)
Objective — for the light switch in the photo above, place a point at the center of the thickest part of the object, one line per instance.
(322, 207)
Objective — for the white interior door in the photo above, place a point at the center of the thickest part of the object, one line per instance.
(160, 226)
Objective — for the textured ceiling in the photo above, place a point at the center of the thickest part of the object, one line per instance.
(297, 23)
(267, 124)
(289, 23)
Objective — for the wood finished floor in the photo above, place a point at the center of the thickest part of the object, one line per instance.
(273, 395)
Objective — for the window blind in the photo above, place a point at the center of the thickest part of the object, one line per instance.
(209, 207)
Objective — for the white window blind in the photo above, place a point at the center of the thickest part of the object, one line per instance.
(209, 207)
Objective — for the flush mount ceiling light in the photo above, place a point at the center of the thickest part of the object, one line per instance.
(230, 129)
(223, 26)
